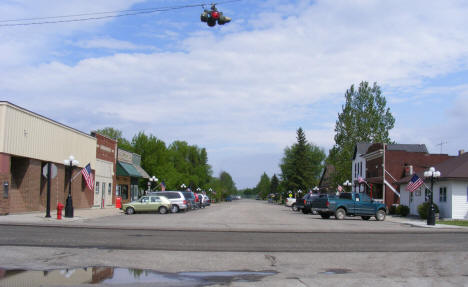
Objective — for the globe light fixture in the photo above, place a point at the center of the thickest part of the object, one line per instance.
(70, 162)
(433, 175)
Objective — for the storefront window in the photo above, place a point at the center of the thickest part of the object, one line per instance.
(97, 187)
(109, 189)
(124, 191)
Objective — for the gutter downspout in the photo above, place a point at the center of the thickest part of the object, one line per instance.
(383, 176)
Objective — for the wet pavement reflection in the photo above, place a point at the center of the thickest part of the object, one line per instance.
(123, 276)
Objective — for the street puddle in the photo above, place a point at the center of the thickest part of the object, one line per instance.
(336, 271)
(123, 276)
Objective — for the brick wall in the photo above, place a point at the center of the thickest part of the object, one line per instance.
(107, 150)
(5, 176)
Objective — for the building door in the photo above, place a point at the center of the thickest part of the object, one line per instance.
(103, 194)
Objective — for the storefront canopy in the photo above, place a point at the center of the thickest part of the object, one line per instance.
(127, 169)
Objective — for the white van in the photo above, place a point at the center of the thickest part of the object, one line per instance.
(176, 198)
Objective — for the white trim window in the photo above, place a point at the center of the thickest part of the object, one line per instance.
(443, 194)
(97, 187)
(109, 189)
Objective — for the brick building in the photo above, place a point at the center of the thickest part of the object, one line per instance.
(387, 164)
(28, 142)
(105, 181)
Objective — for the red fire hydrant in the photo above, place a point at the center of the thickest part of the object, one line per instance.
(118, 202)
(59, 210)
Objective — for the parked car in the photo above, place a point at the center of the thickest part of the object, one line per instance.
(207, 200)
(203, 200)
(177, 198)
(228, 198)
(300, 204)
(290, 201)
(148, 203)
(308, 201)
(190, 197)
(349, 204)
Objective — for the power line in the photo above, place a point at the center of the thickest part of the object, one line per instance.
(120, 13)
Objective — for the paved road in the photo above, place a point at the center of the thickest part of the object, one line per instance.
(249, 215)
(233, 241)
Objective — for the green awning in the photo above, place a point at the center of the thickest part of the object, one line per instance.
(127, 169)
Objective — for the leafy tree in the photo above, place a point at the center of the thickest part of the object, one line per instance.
(301, 164)
(364, 118)
(116, 134)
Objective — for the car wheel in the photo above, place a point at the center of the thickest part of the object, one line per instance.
(130, 210)
(175, 209)
(365, 217)
(380, 215)
(340, 214)
(325, 216)
(294, 207)
(163, 210)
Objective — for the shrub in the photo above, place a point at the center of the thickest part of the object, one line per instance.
(402, 210)
(392, 209)
(422, 209)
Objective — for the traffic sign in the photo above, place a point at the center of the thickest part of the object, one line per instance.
(53, 170)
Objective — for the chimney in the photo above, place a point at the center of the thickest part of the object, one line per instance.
(460, 152)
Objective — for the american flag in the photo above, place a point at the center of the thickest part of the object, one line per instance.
(340, 188)
(87, 174)
(414, 183)
(361, 180)
(163, 186)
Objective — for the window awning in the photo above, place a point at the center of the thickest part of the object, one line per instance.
(127, 169)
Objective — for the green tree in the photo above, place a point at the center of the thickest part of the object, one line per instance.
(117, 135)
(364, 118)
(275, 187)
(301, 164)
(263, 186)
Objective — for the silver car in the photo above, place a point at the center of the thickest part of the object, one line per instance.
(176, 198)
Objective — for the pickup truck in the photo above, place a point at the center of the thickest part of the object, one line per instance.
(351, 204)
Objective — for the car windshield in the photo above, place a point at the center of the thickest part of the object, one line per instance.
(188, 195)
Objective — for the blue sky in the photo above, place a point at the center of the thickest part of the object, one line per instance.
(241, 90)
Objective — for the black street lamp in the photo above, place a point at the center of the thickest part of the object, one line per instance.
(347, 184)
(69, 204)
(433, 174)
(150, 180)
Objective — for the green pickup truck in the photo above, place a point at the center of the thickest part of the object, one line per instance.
(349, 204)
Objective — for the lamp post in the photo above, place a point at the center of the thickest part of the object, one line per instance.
(347, 183)
(69, 204)
(150, 181)
(433, 174)
(183, 186)
(316, 189)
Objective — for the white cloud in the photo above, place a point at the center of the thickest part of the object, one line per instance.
(111, 44)
(247, 91)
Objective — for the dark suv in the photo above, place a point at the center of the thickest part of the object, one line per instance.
(190, 197)
(308, 201)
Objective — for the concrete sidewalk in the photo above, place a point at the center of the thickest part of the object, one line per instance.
(80, 215)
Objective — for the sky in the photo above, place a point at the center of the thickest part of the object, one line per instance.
(243, 89)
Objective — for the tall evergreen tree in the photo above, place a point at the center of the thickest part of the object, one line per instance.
(364, 118)
(301, 164)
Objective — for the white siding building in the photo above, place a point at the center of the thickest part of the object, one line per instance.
(359, 166)
(450, 191)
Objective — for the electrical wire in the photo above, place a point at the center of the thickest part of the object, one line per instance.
(120, 13)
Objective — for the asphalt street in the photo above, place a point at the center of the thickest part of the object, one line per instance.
(73, 237)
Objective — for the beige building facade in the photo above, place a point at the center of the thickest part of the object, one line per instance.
(28, 141)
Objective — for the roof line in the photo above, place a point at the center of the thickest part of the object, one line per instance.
(7, 103)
